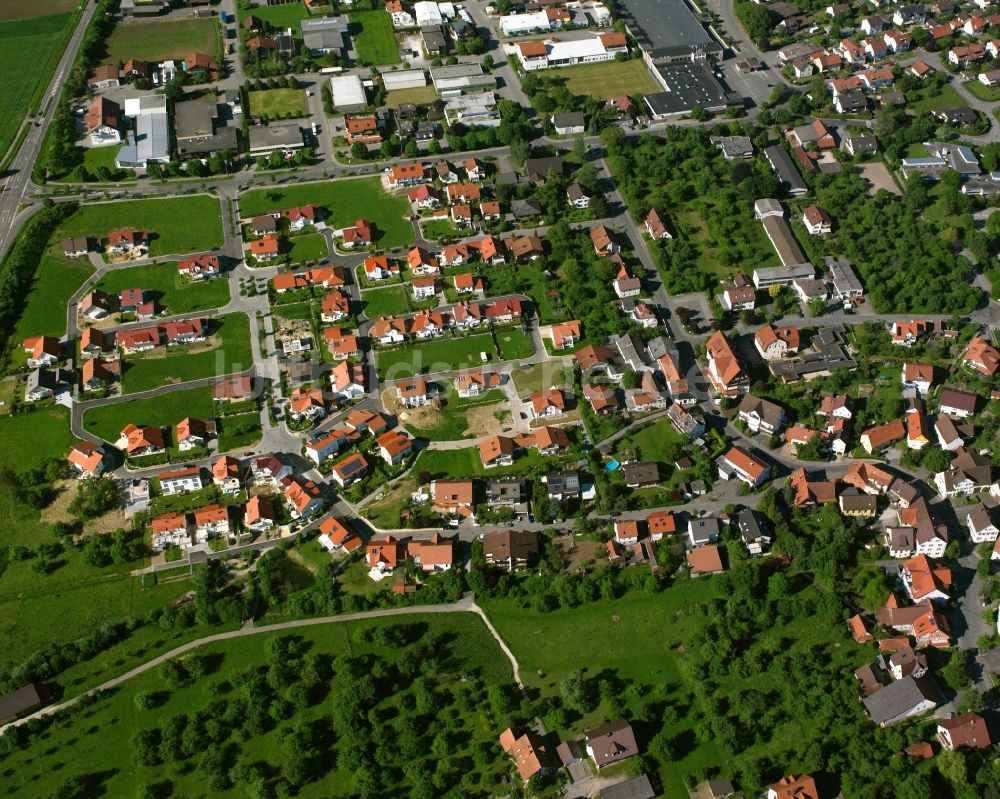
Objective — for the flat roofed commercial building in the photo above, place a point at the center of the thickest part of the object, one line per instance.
(348, 93)
(325, 34)
(460, 78)
(845, 282)
(276, 136)
(686, 86)
(668, 30)
(404, 79)
(782, 275)
(151, 141)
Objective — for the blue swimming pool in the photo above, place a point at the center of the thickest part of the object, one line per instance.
(612, 466)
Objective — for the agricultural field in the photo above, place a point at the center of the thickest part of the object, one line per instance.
(56, 280)
(390, 301)
(163, 39)
(165, 284)
(29, 52)
(162, 367)
(345, 202)
(166, 410)
(176, 225)
(279, 103)
(320, 660)
(606, 79)
(373, 36)
(443, 354)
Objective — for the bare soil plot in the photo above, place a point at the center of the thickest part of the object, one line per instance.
(487, 420)
(58, 511)
(578, 552)
(26, 9)
(878, 176)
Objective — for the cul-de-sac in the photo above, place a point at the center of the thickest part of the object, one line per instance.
(521, 399)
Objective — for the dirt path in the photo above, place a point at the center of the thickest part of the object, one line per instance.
(466, 604)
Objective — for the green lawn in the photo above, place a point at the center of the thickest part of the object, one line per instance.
(514, 344)
(389, 301)
(96, 157)
(541, 376)
(287, 15)
(988, 93)
(655, 441)
(373, 37)
(29, 52)
(311, 247)
(237, 432)
(144, 372)
(275, 103)
(948, 98)
(167, 410)
(44, 314)
(443, 354)
(171, 291)
(467, 462)
(163, 39)
(40, 610)
(177, 225)
(607, 79)
(418, 96)
(345, 201)
(468, 663)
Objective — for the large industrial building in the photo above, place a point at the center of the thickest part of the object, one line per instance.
(686, 85)
(667, 31)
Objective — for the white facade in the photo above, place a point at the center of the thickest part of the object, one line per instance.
(180, 484)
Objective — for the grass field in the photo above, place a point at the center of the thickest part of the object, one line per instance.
(29, 52)
(273, 103)
(237, 432)
(607, 79)
(988, 93)
(417, 96)
(541, 376)
(311, 247)
(37, 610)
(171, 292)
(948, 98)
(77, 742)
(56, 279)
(96, 157)
(514, 344)
(389, 301)
(373, 37)
(177, 225)
(163, 39)
(233, 355)
(283, 16)
(443, 354)
(345, 202)
(167, 410)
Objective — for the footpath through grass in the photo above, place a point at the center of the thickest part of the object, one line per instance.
(163, 39)
(468, 663)
(165, 284)
(182, 363)
(177, 225)
(345, 202)
(29, 52)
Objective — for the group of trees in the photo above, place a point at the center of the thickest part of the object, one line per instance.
(907, 263)
(684, 176)
(404, 724)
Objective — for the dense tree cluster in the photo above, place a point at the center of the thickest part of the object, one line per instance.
(683, 175)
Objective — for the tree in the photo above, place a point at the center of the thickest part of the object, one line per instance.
(576, 693)
(956, 671)
(359, 151)
(94, 496)
(816, 305)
